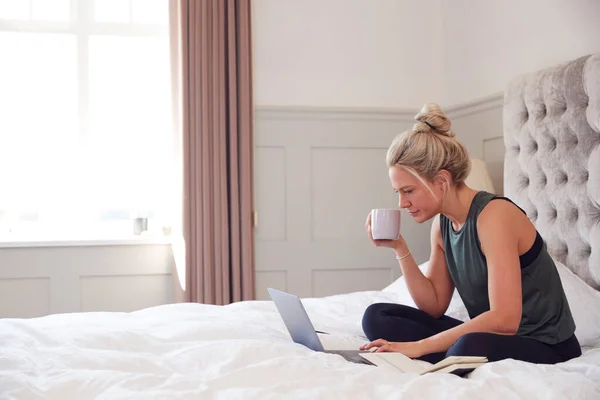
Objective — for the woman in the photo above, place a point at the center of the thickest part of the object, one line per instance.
(482, 245)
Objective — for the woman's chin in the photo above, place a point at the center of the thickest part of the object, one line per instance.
(420, 216)
(416, 216)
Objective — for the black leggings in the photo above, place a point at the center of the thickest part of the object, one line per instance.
(400, 323)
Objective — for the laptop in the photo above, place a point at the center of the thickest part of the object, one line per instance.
(301, 328)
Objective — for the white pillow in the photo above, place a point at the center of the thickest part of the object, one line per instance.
(584, 302)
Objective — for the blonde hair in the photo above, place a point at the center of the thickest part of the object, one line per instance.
(431, 146)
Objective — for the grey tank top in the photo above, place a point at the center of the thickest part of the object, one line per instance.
(546, 315)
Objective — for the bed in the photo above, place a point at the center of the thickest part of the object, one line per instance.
(242, 351)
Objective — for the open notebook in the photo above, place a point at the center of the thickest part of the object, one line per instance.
(452, 364)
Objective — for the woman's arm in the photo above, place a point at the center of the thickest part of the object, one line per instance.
(431, 292)
(499, 242)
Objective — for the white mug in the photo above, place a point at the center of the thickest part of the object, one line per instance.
(385, 223)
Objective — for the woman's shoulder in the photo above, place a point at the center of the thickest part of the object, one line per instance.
(499, 203)
(491, 204)
(500, 210)
(502, 215)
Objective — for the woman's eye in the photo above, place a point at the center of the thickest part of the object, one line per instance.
(407, 191)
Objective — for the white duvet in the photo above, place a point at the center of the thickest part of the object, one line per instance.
(242, 351)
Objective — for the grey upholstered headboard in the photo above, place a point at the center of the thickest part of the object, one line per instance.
(552, 162)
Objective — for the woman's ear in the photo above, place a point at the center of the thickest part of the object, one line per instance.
(443, 178)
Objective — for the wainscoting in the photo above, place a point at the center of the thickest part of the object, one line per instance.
(36, 281)
(318, 174)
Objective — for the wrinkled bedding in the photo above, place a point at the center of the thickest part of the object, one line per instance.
(243, 351)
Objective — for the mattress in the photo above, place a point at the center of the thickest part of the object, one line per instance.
(243, 351)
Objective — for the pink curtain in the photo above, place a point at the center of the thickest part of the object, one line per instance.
(211, 42)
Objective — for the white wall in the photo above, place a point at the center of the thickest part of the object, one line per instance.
(346, 53)
(486, 43)
(402, 53)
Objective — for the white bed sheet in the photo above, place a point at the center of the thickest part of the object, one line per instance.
(242, 351)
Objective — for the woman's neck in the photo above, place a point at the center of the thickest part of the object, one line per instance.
(457, 203)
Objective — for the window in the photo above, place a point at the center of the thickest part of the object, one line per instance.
(86, 139)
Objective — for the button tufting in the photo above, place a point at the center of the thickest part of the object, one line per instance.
(587, 251)
(562, 109)
(544, 180)
(572, 139)
(562, 178)
(593, 213)
(534, 214)
(552, 143)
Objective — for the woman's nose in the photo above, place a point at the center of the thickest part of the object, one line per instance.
(403, 202)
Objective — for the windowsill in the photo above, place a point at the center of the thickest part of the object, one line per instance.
(14, 242)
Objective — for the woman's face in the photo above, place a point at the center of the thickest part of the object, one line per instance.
(414, 196)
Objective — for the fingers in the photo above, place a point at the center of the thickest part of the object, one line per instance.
(384, 242)
(384, 349)
(377, 242)
(376, 343)
(367, 346)
(368, 228)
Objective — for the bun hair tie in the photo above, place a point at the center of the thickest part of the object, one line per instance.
(429, 125)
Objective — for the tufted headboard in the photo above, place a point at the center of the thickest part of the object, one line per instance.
(551, 128)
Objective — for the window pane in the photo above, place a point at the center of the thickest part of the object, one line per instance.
(14, 9)
(112, 10)
(150, 11)
(51, 10)
(39, 125)
(130, 140)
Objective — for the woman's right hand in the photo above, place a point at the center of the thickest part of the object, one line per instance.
(397, 244)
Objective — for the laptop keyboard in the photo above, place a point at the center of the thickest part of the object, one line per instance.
(358, 359)
(351, 356)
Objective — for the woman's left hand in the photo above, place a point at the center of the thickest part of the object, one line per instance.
(409, 349)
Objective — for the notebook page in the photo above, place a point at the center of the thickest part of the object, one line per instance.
(455, 360)
(396, 360)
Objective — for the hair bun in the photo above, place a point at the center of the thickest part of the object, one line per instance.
(431, 119)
